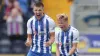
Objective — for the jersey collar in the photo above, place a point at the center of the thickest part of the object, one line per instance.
(68, 29)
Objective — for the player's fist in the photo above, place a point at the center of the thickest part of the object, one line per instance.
(48, 44)
(28, 42)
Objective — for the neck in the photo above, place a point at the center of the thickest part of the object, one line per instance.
(66, 28)
(39, 18)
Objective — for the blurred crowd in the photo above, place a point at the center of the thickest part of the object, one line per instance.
(13, 18)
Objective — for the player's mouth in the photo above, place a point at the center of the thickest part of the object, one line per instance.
(38, 15)
(61, 27)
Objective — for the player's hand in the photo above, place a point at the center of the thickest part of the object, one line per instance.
(28, 43)
(48, 43)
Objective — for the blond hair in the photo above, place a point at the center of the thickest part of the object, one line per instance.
(62, 17)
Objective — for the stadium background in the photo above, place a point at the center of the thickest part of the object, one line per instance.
(83, 14)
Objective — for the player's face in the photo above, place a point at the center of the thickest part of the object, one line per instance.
(62, 24)
(38, 12)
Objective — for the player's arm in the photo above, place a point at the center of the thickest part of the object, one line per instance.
(29, 40)
(57, 44)
(29, 32)
(52, 39)
(57, 50)
(75, 42)
(73, 49)
(57, 41)
(52, 33)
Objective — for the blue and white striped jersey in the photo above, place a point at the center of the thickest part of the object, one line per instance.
(40, 30)
(65, 39)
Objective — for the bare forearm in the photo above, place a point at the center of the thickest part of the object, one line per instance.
(57, 50)
(74, 47)
(29, 36)
(72, 50)
(29, 40)
(52, 39)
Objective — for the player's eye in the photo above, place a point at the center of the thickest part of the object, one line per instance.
(35, 10)
(39, 10)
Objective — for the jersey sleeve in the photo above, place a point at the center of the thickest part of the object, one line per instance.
(52, 25)
(76, 36)
(29, 31)
(57, 34)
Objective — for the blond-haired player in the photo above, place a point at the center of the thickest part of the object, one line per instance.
(67, 38)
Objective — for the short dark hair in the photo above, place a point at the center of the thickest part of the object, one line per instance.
(39, 4)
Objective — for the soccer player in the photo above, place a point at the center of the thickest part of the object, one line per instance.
(40, 31)
(66, 38)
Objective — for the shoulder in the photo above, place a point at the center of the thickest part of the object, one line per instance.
(49, 18)
(32, 18)
(57, 30)
(74, 30)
